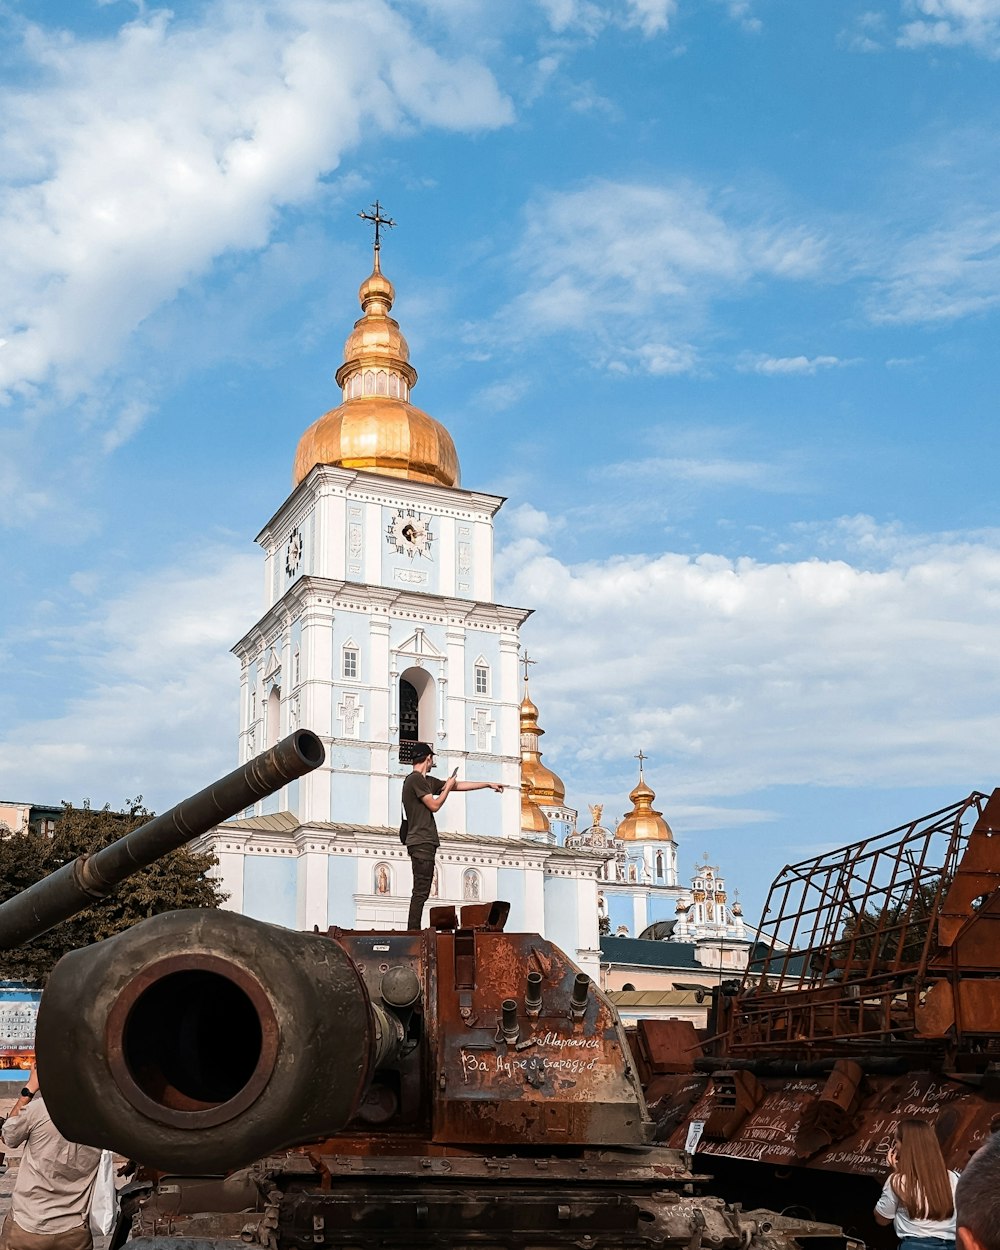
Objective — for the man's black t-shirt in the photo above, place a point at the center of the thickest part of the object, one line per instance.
(419, 817)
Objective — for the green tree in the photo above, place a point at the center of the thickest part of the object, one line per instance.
(895, 934)
(179, 880)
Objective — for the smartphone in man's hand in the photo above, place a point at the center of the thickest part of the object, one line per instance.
(454, 773)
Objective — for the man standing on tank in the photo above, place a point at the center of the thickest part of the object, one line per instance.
(423, 797)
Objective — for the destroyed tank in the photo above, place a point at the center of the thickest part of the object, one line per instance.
(871, 995)
(459, 1086)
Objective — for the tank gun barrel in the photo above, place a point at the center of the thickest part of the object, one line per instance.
(198, 1041)
(90, 878)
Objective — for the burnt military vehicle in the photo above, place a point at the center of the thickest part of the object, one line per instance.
(874, 995)
(460, 1086)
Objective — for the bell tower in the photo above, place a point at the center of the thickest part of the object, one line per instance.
(379, 626)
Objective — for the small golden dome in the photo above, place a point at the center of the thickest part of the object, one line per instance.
(376, 428)
(642, 823)
(533, 819)
(544, 785)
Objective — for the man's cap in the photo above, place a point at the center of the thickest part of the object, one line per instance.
(421, 752)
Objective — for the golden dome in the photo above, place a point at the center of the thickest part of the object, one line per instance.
(543, 784)
(533, 819)
(376, 428)
(642, 823)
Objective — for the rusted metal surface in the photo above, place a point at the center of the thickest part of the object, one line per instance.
(877, 944)
(459, 1086)
(271, 1044)
(783, 1129)
(145, 1015)
(874, 996)
(454, 1088)
(208, 1039)
(508, 1203)
(564, 1074)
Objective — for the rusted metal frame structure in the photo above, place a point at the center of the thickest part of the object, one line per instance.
(850, 938)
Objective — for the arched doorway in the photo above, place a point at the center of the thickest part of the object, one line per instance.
(416, 711)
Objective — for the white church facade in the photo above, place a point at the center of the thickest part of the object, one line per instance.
(379, 630)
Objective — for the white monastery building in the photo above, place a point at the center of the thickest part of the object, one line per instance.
(379, 630)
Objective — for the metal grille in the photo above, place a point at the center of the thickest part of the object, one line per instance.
(846, 938)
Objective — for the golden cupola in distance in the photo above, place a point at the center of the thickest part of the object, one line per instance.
(544, 786)
(376, 428)
(643, 823)
(533, 819)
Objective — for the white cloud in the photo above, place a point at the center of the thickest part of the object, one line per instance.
(742, 11)
(626, 261)
(783, 365)
(155, 708)
(651, 17)
(658, 359)
(133, 161)
(949, 271)
(717, 471)
(953, 23)
(742, 674)
(868, 669)
(868, 33)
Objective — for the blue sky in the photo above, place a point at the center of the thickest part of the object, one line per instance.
(707, 288)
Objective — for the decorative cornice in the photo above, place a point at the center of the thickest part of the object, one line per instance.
(307, 593)
(326, 479)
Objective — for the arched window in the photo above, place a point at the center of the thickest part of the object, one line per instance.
(273, 729)
(632, 874)
(659, 863)
(383, 879)
(416, 711)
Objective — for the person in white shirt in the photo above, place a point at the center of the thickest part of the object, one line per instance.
(55, 1180)
(918, 1198)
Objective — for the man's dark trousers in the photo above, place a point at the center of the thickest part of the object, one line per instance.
(422, 861)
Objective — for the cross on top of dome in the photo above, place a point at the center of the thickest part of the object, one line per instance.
(377, 220)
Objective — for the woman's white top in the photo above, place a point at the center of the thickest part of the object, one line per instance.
(905, 1225)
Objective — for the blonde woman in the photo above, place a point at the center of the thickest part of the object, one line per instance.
(919, 1196)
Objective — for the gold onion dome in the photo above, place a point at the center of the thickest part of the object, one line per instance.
(543, 784)
(376, 428)
(533, 819)
(642, 823)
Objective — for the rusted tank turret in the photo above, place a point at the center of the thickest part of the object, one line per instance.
(446, 1088)
(873, 994)
(460, 1085)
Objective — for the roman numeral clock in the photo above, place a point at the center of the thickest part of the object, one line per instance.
(409, 534)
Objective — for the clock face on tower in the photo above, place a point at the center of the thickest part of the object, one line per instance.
(410, 534)
(293, 553)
